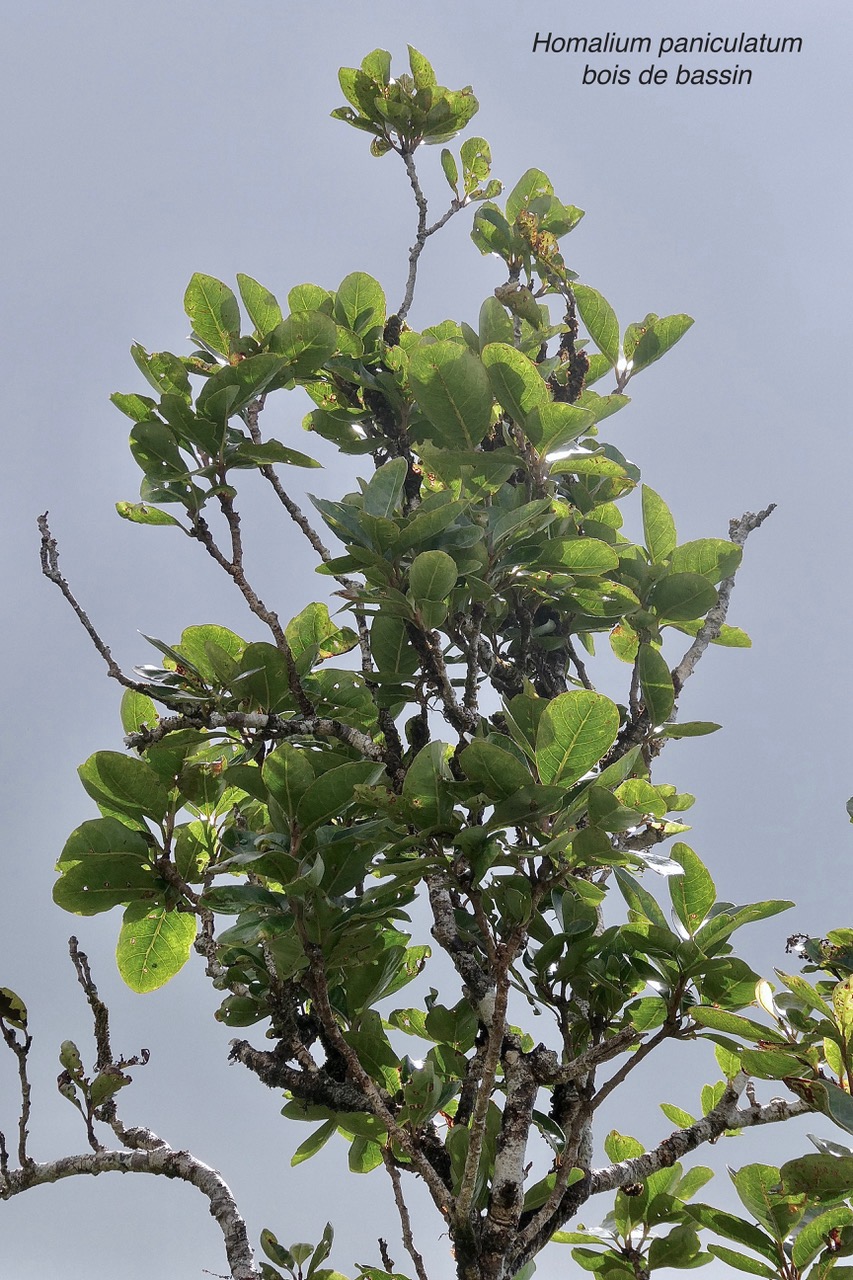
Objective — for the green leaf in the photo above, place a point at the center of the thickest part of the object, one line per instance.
(659, 336)
(515, 381)
(153, 945)
(312, 1144)
(332, 792)
(313, 634)
(656, 684)
(814, 1236)
(360, 306)
(553, 425)
(733, 1024)
(578, 556)
(141, 513)
(690, 729)
(818, 1176)
(734, 1228)
(287, 775)
(575, 731)
(12, 1009)
(771, 1064)
(383, 494)
(694, 893)
(713, 558)
(422, 72)
(267, 453)
(391, 647)
(740, 1261)
(600, 320)
(496, 770)
(757, 1187)
(432, 576)
(129, 787)
(494, 325)
(261, 305)
(683, 1119)
(681, 596)
(306, 339)
(137, 711)
(658, 526)
(452, 388)
(214, 312)
(425, 786)
(450, 168)
(531, 184)
(619, 1146)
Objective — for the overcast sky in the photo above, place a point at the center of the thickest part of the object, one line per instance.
(145, 141)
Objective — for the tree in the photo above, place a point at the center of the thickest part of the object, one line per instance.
(463, 766)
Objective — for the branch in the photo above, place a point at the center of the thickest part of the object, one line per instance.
(477, 981)
(49, 554)
(200, 530)
(100, 1012)
(739, 531)
(423, 232)
(403, 1211)
(21, 1050)
(497, 1027)
(313, 1088)
(439, 1191)
(162, 1160)
(274, 726)
(726, 1115)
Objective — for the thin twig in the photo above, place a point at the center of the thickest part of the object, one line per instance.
(100, 1012)
(578, 665)
(21, 1049)
(423, 232)
(739, 531)
(405, 1220)
(49, 553)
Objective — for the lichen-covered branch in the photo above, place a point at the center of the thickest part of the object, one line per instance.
(271, 725)
(159, 1160)
(739, 531)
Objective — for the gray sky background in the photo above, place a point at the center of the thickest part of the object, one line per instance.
(147, 141)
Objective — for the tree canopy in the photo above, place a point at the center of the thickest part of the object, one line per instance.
(420, 779)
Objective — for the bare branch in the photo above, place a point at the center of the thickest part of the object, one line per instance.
(21, 1049)
(50, 568)
(100, 1012)
(405, 1220)
(739, 531)
(423, 232)
(161, 1160)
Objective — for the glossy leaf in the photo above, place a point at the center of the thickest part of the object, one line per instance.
(658, 526)
(681, 596)
(213, 310)
(123, 784)
(656, 684)
(575, 731)
(600, 320)
(153, 945)
(432, 576)
(515, 381)
(693, 894)
(453, 390)
(360, 305)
